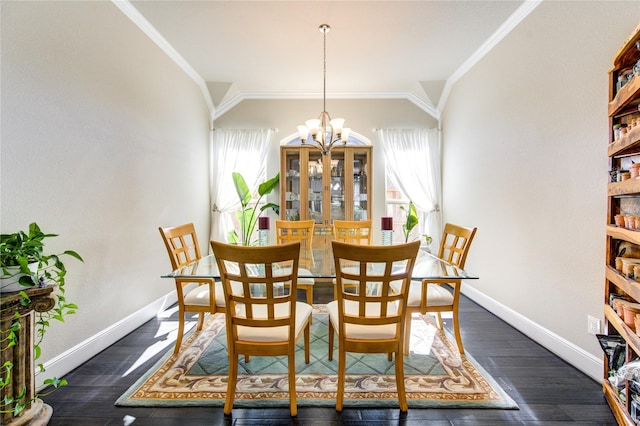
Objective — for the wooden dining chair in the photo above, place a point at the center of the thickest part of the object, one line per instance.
(194, 294)
(371, 322)
(430, 295)
(352, 231)
(262, 317)
(288, 231)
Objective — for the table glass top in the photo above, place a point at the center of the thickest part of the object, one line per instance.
(427, 266)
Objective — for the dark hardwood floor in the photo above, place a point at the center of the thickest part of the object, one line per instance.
(548, 390)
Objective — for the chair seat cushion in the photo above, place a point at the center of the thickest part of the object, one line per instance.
(274, 334)
(437, 295)
(358, 331)
(199, 296)
(305, 280)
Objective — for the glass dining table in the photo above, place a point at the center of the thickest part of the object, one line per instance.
(428, 266)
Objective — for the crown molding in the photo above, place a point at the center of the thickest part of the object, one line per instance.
(516, 17)
(434, 111)
(136, 17)
(227, 105)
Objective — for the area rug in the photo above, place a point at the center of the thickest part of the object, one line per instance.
(436, 375)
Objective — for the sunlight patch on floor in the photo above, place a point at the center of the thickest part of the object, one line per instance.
(166, 334)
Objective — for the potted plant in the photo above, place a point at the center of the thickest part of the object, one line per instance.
(248, 216)
(26, 266)
(411, 221)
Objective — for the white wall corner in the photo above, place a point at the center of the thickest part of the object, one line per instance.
(516, 17)
(574, 355)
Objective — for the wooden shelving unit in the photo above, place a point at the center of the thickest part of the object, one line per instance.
(623, 198)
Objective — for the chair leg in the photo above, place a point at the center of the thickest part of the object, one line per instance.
(330, 341)
(342, 361)
(293, 406)
(456, 330)
(439, 320)
(180, 331)
(307, 342)
(407, 332)
(200, 321)
(310, 295)
(402, 396)
(231, 382)
(309, 291)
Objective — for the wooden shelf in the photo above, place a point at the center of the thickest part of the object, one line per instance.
(633, 340)
(627, 187)
(625, 55)
(627, 144)
(617, 406)
(623, 234)
(628, 92)
(629, 286)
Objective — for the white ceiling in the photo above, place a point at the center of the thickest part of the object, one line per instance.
(376, 49)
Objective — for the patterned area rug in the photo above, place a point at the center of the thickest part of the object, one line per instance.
(436, 375)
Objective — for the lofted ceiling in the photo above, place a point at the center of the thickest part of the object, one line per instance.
(241, 50)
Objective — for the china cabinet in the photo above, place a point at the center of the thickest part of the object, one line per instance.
(325, 187)
(622, 284)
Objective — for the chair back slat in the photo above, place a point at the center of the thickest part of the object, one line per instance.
(373, 302)
(182, 244)
(352, 231)
(455, 244)
(258, 284)
(288, 231)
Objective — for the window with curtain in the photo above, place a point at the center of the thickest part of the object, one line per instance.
(412, 159)
(235, 150)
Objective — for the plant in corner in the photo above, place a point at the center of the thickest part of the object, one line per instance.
(411, 221)
(25, 265)
(248, 216)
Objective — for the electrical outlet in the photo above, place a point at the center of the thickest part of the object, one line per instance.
(593, 325)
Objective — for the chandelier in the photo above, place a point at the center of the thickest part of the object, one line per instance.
(325, 132)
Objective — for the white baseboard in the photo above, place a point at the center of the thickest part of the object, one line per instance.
(82, 352)
(574, 355)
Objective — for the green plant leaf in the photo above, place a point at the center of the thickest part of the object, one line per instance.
(274, 207)
(269, 185)
(242, 189)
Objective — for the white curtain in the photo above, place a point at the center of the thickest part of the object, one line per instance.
(234, 150)
(413, 162)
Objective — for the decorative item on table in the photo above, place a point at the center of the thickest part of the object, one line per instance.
(386, 226)
(263, 230)
(427, 242)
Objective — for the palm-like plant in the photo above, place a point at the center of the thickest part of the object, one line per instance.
(248, 216)
(411, 222)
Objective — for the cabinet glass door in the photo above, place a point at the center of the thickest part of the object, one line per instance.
(360, 184)
(337, 185)
(315, 167)
(292, 185)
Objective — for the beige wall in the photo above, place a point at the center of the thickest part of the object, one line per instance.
(104, 139)
(525, 160)
(362, 116)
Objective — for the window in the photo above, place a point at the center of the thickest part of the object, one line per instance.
(397, 204)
